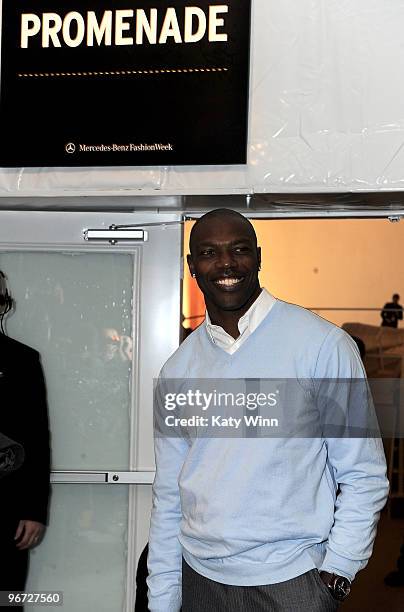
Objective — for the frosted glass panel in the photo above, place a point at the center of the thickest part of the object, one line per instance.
(76, 310)
(84, 551)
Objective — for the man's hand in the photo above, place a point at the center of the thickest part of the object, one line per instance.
(29, 534)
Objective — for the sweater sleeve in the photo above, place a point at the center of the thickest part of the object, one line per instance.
(358, 463)
(165, 552)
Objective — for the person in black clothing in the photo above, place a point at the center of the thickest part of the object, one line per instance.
(141, 585)
(24, 492)
(392, 312)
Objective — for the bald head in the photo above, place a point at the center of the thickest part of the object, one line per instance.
(221, 215)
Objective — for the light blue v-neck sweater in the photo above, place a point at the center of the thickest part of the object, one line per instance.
(253, 511)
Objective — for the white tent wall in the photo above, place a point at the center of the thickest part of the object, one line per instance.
(326, 112)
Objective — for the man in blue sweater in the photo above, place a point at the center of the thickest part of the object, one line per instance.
(259, 523)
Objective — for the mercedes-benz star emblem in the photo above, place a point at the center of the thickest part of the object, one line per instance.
(70, 147)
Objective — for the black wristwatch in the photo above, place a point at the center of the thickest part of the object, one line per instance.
(339, 586)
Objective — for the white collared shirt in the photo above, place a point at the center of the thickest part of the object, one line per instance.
(246, 325)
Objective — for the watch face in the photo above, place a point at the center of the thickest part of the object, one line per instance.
(342, 588)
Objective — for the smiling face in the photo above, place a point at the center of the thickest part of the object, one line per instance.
(225, 260)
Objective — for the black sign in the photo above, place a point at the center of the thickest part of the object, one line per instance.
(124, 83)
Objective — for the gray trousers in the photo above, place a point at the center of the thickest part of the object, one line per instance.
(305, 593)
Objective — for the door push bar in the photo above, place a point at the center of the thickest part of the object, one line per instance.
(92, 477)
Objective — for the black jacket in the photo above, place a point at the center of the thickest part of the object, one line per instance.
(24, 418)
(11, 455)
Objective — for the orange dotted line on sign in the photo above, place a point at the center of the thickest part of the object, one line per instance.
(119, 72)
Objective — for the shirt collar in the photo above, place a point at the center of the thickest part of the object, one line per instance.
(248, 322)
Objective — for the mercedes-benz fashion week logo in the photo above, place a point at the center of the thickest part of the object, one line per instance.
(70, 147)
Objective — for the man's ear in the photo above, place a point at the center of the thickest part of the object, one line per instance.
(191, 265)
(259, 257)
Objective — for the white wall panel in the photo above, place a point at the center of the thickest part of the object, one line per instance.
(326, 111)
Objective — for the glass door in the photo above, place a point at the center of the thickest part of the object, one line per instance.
(103, 309)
